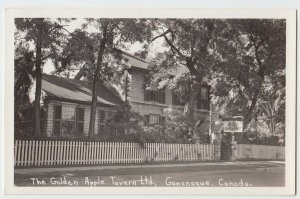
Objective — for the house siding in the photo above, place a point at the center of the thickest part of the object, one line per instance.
(87, 112)
(139, 105)
(136, 86)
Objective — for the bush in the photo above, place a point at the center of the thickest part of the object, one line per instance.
(176, 129)
(255, 138)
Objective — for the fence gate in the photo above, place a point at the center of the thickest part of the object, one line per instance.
(225, 151)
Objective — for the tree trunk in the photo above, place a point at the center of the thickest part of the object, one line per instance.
(261, 73)
(194, 87)
(193, 97)
(189, 105)
(38, 80)
(247, 117)
(95, 82)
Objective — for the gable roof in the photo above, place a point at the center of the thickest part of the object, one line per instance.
(134, 61)
(139, 63)
(72, 90)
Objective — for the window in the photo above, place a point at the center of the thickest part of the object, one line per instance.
(156, 96)
(162, 119)
(203, 99)
(68, 120)
(80, 120)
(162, 96)
(154, 119)
(147, 119)
(176, 100)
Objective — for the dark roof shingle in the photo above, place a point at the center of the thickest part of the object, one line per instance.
(72, 90)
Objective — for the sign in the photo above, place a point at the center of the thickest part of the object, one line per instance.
(234, 124)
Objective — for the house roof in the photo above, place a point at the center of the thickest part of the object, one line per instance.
(78, 91)
(134, 61)
(139, 63)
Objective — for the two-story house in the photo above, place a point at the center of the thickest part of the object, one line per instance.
(152, 102)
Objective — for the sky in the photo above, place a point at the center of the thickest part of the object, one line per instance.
(154, 48)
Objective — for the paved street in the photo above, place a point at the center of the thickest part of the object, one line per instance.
(227, 174)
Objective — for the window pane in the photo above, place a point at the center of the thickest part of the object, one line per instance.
(147, 95)
(203, 104)
(147, 119)
(80, 114)
(176, 99)
(162, 96)
(68, 127)
(68, 113)
(162, 119)
(153, 119)
(153, 96)
(57, 112)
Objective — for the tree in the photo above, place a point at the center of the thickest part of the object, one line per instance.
(252, 66)
(96, 51)
(190, 43)
(45, 35)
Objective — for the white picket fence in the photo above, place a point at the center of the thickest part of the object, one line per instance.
(39, 153)
(250, 151)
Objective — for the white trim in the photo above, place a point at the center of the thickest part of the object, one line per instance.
(165, 105)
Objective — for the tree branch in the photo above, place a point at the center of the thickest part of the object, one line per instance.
(169, 43)
(161, 35)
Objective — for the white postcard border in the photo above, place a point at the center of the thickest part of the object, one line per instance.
(288, 14)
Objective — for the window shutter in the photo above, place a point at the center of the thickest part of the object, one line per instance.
(80, 120)
(162, 98)
(57, 119)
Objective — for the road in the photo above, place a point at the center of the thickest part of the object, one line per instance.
(217, 174)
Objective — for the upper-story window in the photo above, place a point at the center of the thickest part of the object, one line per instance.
(154, 95)
(176, 100)
(203, 99)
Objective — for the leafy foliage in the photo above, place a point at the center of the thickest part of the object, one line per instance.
(45, 36)
(251, 69)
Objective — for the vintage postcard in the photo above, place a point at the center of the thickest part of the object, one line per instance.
(150, 101)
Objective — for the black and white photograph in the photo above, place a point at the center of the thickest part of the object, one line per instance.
(152, 102)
